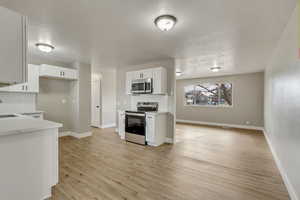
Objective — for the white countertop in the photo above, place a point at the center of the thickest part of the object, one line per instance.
(23, 124)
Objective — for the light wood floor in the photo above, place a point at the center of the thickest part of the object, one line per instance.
(207, 163)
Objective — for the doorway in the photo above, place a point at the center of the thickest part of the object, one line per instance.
(96, 103)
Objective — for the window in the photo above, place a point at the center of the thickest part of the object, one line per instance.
(208, 94)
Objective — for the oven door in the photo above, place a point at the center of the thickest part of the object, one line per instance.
(135, 127)
(138, 86)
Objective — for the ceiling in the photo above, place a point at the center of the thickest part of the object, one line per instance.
(238, 35)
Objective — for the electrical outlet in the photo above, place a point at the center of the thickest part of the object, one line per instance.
(248, 122)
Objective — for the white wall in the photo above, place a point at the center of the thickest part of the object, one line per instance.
(248, 100)
(17, 102)
(282, 106)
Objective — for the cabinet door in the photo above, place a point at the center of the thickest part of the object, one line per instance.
(159, 81)
(147, 74)
(18, 88)
(150, 129)
(129, 77)
(13, 48)
(33, 78)
(157, 75)
(137, 75)
(50, 71)
(69, 74)
(122, 125)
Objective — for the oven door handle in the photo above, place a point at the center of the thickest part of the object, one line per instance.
(135, 114)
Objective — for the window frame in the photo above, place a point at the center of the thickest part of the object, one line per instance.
(210, 106)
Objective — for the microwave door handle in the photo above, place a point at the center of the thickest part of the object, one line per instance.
(145, 86)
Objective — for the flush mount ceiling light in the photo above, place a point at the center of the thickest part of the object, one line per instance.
(215, 69)
(45, 47)
(165, 22)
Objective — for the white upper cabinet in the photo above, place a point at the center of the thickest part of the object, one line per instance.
(129, 78)
(158, 75)
(13, 48)
(33, 78)
(58, 72)
(142, 74)
(159, 80)
(32, 84)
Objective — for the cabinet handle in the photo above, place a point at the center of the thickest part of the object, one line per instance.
(22, 87)
(26, 87)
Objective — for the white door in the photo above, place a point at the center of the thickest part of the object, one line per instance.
(96, 104)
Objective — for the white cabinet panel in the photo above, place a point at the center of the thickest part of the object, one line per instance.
(156, 128)
(58, 72)
(13, 48)
(33, 78)
(159, 81)
(150, 129)
(50, 71)
(147, 73)
(70, 74)
(137, 75)
(129, 78)
(31, 86)
(121, 125)
(18, 88)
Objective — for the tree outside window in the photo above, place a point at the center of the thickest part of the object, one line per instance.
(208, 94)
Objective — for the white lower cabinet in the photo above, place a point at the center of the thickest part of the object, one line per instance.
(156, 128)
(121, 125)
(150, 129)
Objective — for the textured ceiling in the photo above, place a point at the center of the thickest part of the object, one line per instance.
(238, 35)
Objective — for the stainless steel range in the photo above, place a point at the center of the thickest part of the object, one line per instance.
(135, 122)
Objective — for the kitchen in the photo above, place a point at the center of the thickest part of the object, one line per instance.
(149, 116)
(28, 94)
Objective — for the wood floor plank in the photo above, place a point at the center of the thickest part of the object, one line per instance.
(208, 163)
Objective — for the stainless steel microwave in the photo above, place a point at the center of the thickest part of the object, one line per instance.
(141, 86)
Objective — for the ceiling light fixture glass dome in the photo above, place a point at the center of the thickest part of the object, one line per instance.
(165, 22)
(45, 47)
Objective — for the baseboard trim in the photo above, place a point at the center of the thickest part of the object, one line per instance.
(81, 135)
(289, 186)
(108, 125)
(74, 134)
(220, 124)
(64, 133)
(169, 140)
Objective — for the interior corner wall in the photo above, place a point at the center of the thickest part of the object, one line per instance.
(248, 101)
(81, 99)
(282, 106)
(55, 98)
